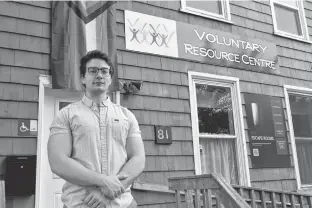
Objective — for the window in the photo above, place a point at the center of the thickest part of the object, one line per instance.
(215, 9)
(218, 136)
(301, 113)
(289, 19)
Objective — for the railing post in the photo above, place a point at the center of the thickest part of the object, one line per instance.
(273, 200)
(209, 198)
(2, 194)
(301, 201)
(292, 201)
(253, 199)
(178, 198)
(263, 199)
(189, 198)
(283, 201)
(310, 201)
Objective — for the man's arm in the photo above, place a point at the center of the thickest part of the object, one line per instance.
(135, 152)
(59, 154)
(136, 163)
(59, 151)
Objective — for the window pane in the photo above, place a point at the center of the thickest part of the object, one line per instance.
(208, 6)
(301, 112)
(215, 112)
(218, 156)
(289, 2)
(304, 154)
(288, 20)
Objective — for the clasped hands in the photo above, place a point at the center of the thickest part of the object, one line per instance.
(111, 188)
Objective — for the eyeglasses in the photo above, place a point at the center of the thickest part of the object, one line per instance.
(95, 71)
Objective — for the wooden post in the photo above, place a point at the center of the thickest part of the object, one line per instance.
(2, 194)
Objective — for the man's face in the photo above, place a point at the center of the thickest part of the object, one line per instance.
(96, 82)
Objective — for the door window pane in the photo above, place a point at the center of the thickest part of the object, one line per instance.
(215, 112)
(208, 6)
(287, 19)
(301, 111)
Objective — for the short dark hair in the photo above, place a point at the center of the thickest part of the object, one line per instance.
(95, 54)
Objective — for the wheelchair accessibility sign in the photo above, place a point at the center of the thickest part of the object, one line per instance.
(27, 127)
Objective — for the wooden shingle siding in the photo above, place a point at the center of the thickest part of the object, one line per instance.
(24, 55)
(24, 11)
(24, 42)
(24, 27)
(161, 74)
(276, 184)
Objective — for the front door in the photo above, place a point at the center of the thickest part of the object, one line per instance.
(49, 185)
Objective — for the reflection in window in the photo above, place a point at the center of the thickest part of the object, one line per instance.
(215, 9)
(208, 6)
(215, 113)
(301, 111)
(288, 20)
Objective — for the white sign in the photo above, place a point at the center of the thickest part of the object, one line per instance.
(33, 125)
(150, 34)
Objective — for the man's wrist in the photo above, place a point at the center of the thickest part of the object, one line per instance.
(100, 180)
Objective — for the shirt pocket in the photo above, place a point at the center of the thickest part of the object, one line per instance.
(120, 127)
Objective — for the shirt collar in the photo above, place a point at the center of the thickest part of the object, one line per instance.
(88, 102)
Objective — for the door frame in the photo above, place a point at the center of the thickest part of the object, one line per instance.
(45, 81)
(241, 146)
(299, 91)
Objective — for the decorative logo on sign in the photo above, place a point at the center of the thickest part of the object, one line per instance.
(150, 34)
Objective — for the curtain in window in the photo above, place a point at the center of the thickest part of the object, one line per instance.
(304, 153)
(218, 156)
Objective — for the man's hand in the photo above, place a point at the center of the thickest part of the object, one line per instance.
(96, 199)
(112, 187)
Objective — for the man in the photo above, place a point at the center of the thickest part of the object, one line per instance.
(96, 145)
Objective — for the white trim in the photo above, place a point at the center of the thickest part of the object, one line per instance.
(44, 81)
(225, 17)
(194, 124)
(301, 91)
(216, 136)
(241, 150)
(302, 21)
(117, 97)
(242, 146)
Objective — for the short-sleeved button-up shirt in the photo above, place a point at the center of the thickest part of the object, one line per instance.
(99, 137)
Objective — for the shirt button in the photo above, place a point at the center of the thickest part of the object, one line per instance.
(102, 122)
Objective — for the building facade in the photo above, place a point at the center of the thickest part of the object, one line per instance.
(226, 86)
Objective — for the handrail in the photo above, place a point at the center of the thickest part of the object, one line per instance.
(274, 198)
(151, 187)
(210, 190)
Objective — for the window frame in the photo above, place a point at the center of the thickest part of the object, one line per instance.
(289, 89)
(241, 146)
(225, 17)
(302, 21)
